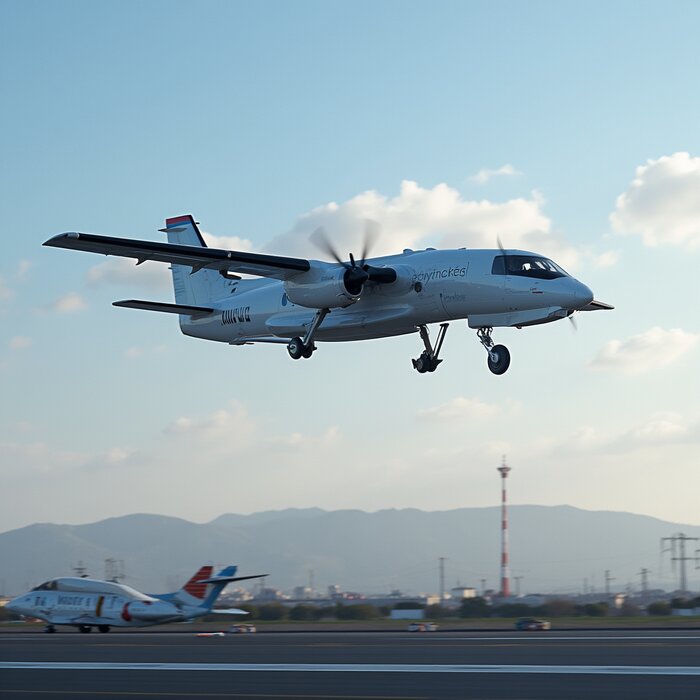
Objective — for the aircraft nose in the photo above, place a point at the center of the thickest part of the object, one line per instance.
(583, 294)
(12, 606)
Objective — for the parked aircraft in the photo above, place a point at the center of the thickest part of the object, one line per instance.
(86, 603)
(301, 302)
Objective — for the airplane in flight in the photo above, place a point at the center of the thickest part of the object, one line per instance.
(86, 603)
(299, 302)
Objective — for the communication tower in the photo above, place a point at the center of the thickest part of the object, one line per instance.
(505, 572)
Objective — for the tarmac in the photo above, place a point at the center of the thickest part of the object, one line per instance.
(498, 665)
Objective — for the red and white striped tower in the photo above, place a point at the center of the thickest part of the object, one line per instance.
(505, 571)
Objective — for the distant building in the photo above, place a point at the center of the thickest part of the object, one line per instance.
(462, 592)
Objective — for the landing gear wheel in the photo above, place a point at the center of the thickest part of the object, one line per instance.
(422, 364)
(499, 359)
(103, 628)
(295, 348)
(49, 629)
(308, 351)
(85, 629)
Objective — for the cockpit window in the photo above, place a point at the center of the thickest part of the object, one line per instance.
(46, 586)
(526, 266)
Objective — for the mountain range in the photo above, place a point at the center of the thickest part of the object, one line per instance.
(553, 548)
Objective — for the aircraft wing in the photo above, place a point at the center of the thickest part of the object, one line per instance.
(196, 257)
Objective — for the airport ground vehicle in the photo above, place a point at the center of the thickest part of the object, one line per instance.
(532, 624)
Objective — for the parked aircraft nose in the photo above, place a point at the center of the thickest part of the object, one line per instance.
(13, 606)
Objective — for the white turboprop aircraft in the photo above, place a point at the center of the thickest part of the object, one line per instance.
(304, 301)
(86, 603)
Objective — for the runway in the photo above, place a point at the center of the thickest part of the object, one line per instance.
(337, 666)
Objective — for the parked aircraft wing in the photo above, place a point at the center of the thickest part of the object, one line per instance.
(228, 611)
(163, 307)
(196, 257)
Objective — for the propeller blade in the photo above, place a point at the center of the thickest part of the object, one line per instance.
(372, 231)
(504, 253)
(320, 239)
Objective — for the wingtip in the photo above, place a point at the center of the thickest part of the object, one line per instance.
(57, 240)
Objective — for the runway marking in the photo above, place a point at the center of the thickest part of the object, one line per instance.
(359, 668)
(198, 694)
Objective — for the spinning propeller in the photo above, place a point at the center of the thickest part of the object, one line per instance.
(356, 274)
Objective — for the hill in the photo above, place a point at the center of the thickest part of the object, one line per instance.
(553, 547)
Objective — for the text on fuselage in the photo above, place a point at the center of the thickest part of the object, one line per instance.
(445, 273)
(241, 314)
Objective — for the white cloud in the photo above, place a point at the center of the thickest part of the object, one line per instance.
(460, 408)
(5, 292)
(232, 425)
(67, 303)
(19, 342)
(646, 351)
(124, 272)
(23, 268)
(663, 427)
(662, 203)
(485, 174)
(419, 216)
(607, 259)
(227, 242)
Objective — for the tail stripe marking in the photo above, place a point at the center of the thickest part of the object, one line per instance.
(194, 587)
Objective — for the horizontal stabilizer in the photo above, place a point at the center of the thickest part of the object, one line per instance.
(597, 306)
(229, 579)
(163, 307)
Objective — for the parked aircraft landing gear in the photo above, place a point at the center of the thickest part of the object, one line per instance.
(49, 629)
(428, 360)
(85, 629)
(498, 355)
(103, 628)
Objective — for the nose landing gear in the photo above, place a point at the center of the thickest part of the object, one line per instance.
(498, 355)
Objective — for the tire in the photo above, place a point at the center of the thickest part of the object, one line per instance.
(308, 351)
(103, 628)
(502, 361)
(295, 348)
(421, 364)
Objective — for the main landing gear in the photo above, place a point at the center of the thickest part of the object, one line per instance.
(85, 629)
(428, 360)
(499, 357)
(298, 347)
(49, 629)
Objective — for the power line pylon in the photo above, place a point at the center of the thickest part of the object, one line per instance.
(676, 549)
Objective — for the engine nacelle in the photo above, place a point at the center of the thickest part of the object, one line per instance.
(405, 281)
(322, 288)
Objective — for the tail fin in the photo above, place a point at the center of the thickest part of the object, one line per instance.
(204, 286)
(198, 591)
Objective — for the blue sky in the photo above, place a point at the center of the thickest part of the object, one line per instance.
(582, 120)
